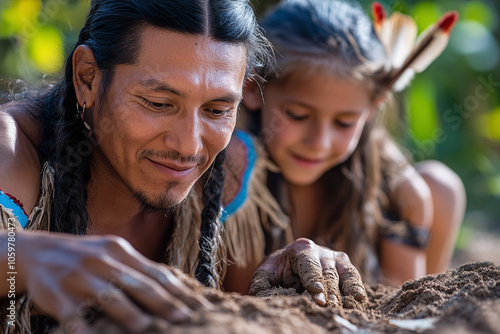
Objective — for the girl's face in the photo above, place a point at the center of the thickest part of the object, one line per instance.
(312, 123)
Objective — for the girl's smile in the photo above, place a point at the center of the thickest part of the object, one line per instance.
(306, 162)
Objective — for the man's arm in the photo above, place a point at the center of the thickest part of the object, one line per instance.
(68, 276)
(19, 163)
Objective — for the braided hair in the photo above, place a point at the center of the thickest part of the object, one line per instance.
(209, 228)
(112, 30)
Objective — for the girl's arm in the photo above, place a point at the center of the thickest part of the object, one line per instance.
(413, 201)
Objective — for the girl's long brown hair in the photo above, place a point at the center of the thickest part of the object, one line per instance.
(338, 37)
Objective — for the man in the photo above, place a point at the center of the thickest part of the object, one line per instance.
(124, 149)
(148, 100)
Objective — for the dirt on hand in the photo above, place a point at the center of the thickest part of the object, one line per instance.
(464, 300)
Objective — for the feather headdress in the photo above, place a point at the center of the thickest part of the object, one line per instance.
(407, 54)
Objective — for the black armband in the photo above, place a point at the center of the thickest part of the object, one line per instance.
(403, 232)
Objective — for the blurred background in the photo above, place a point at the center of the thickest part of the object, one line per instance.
(451, 111)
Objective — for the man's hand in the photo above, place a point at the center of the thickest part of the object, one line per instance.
(74, 279)
(329, 276)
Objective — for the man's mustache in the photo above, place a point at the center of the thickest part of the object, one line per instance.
(174, 155)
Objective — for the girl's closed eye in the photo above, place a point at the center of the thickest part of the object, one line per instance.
(347, 120)
(344, 124)
(294, 115)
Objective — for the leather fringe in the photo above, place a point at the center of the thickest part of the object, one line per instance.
(39, 218)
(244, 233)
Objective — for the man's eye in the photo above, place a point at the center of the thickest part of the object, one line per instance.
(219, 112)
(157, 105)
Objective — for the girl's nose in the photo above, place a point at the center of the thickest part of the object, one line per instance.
(320, 137)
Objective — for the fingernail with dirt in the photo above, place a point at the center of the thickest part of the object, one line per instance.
(319, 298)
(334, 301)
(318, 286)
(359, 294)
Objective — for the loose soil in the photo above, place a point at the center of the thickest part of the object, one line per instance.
(464, 300)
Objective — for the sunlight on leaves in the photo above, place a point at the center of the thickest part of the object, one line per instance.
(488, 125)
(19, 16)
(422, 109)
(479, 12)
(46, 50)
(484, 164)
(494, 185)
(425, 14)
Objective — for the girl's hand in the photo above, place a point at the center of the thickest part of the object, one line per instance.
(73, 278)
(329, 276)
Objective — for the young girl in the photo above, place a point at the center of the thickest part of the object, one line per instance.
(340, 177)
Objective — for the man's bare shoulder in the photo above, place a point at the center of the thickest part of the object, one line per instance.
(19, 163)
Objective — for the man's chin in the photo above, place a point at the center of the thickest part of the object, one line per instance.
(154, 208)
(158, 202)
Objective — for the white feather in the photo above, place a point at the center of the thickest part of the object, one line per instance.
(431, 52)
(404, 80)
(398, 34)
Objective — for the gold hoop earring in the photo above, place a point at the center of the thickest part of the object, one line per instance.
(81, 115)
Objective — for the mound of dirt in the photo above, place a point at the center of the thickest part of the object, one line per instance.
(464, 300)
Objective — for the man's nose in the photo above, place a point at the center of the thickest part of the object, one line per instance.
(185, 132)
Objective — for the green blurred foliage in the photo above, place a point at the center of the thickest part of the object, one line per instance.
(451, 111)
(35, 35)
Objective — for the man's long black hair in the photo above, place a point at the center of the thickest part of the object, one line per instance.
(112, 30)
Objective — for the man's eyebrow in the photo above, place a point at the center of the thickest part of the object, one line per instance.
(159, 86)
(230, 98)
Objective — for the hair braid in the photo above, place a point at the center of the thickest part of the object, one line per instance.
(206, 271)
(72, 172)
(67, 148)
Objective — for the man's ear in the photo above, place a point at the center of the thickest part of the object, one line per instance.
(253, 98)
(86, 76)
